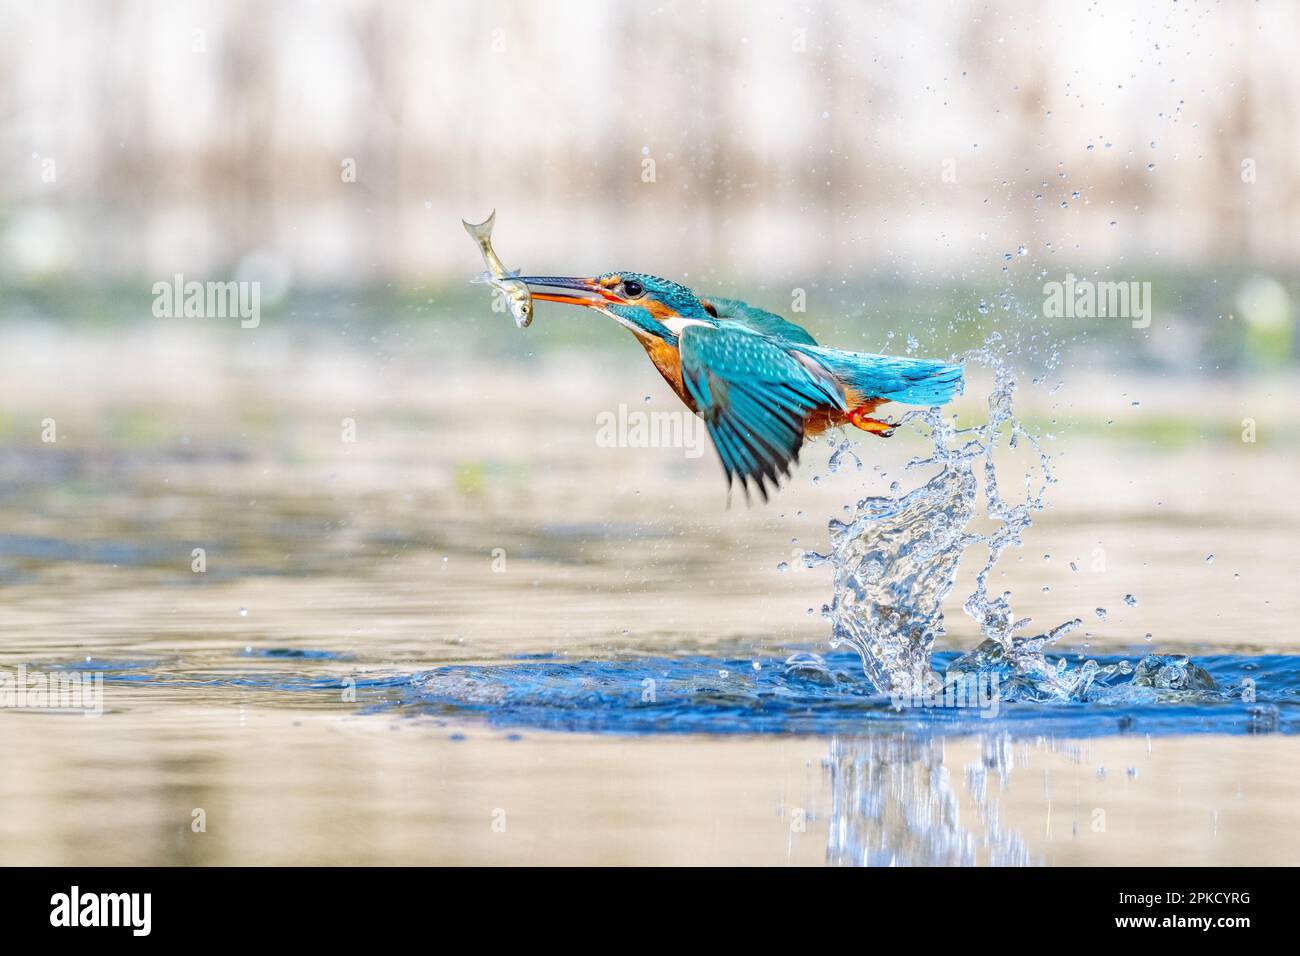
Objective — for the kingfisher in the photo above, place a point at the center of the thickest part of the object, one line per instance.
(761, 383)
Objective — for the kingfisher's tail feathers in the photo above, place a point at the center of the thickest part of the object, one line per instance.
(911, 381)
(482, 230)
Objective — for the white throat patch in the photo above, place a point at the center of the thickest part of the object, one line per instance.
(677, 323)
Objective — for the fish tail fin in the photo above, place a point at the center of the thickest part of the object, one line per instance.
(482, 230)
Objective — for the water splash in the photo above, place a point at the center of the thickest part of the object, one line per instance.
(896, 558)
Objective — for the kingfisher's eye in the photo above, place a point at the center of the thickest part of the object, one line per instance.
(633, 288)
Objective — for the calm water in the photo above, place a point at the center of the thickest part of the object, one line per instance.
(432, 643)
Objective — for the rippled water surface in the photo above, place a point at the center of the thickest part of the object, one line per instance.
(804, 694)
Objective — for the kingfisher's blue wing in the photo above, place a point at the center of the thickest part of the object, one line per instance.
(768, 323)
(754, 396)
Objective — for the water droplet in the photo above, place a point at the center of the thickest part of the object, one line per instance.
(1022, 250)
(983, 307)
(1151, 167)
(783, 566)
(1101, 614)
(243, 612)
(1209, 559)
(1130, 600)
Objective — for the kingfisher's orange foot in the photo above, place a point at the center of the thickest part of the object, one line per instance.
(859, 419)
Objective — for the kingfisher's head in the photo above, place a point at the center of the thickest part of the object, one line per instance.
(648, 305)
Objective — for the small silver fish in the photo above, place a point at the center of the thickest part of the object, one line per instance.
(516, 293)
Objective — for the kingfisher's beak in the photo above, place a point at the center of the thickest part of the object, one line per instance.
(588, 292)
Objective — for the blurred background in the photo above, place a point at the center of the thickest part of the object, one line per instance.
(356, 465)
(887, 160)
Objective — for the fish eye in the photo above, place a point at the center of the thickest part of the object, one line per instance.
(633, 288)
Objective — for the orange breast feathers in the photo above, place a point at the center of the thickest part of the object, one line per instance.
(668, 360)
